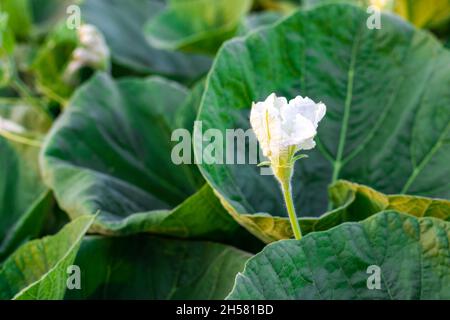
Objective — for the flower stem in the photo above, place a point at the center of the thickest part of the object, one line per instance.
(287, 193)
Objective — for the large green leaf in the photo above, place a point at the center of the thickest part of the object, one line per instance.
(24, 200)
(196, 25)
(143, 267)
(422, 13)
(388, 118)
(38, 269)
(117, 134)
(122, 24)
(353, 202)
(413, 256)
(111, 152)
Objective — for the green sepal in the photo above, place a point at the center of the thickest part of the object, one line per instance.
(264, 164)
(298, 157)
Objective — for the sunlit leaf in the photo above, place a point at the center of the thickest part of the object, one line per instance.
(386, 91)
(38, 269)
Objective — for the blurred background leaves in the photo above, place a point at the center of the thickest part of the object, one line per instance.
(103, 140)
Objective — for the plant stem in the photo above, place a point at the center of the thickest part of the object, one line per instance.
(20, 139)
(287, 193)
(22, 89)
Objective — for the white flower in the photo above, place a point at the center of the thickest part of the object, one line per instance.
(92, 40)
(92, 51)
(284, 128)
(8, 125)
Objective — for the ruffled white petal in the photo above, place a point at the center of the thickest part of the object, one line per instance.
(296, 130)
(279, 125)
(307, 144)
(308, 108)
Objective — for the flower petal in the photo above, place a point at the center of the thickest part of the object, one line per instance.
(279, 125)
(308, 108)
(307, 144)
(297, 130)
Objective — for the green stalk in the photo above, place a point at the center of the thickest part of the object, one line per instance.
(287, 193)
(284, 175)
(20, 139)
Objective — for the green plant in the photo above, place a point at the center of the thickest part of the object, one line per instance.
(90, 181)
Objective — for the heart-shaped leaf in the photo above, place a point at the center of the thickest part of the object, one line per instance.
(111, 152)
(387, 123)
(38, 269)
(388, 256)
(143, 267)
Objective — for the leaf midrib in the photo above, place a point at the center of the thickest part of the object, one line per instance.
(418, 169)
(337, 164)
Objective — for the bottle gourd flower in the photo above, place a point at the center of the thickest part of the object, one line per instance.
(92, 51)
(283, 129)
